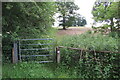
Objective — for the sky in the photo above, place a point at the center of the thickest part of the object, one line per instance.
(85, 10)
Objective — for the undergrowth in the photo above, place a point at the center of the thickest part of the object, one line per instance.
(91, 64)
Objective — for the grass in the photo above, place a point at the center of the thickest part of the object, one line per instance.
(0, 71)
(50, 33)
(34, 70)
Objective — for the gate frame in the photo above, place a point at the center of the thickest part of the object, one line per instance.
(16, 57)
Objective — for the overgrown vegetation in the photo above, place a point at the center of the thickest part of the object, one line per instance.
(74, 64)
(91, 64)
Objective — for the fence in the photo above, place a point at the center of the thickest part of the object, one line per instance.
(79, 49)
(17, 50)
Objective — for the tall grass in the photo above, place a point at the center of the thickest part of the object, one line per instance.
(91, 42)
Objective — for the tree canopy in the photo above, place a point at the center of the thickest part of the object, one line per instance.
(107, 12)
(25, 18)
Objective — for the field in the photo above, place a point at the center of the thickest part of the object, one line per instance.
(72, 31)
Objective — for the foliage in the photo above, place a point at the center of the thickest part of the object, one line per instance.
(88, 64)
(25, 20)
(90, 41)
(76, 20)
(81, 21)
(102, 29)
(107, 12)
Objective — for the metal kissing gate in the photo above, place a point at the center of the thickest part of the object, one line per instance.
(38, 50)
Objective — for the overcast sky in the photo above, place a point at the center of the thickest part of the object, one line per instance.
(86, 9)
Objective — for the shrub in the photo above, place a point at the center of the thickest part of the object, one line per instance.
(91, 65)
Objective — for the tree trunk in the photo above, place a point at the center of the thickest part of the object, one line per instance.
(64, 22)
(64, 27)
(112, 25)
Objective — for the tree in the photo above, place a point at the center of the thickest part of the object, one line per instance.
(107, 12)
(66, 10)
(76, 20)
(81, 21)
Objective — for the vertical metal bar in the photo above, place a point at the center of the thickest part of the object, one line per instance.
(53, 51)
(19, 51)
(15, 52)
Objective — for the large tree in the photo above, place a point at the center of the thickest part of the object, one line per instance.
(67, 12)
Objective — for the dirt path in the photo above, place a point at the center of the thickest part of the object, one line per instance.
(73, 31)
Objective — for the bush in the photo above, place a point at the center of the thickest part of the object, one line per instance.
(91, 42)
(91, 65)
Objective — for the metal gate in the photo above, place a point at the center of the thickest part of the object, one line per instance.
(37, 50)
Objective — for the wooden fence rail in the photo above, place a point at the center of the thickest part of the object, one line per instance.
(94, 51)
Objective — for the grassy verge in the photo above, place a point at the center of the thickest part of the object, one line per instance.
(34, 70)
(0, 71)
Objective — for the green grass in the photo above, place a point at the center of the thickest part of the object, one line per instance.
(34, 70)
(0, 71)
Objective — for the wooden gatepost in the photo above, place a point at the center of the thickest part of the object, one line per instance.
(57, 54)
(15, 52)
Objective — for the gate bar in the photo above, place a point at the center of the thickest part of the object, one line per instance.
(19, 52)
(37, 49)
(37, 39)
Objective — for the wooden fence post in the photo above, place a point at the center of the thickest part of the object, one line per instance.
(58, 54)
(15, 52)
